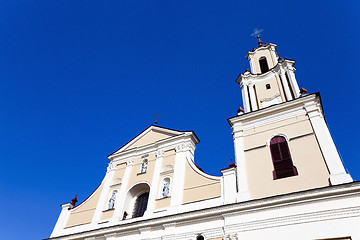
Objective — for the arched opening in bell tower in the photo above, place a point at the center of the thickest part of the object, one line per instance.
(264, 67)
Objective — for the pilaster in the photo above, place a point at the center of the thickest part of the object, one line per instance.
(229, 185)
(120, 204)
(285, 85)
(335, 166)
(155, 182)
(179, 175)
(104, 193)
(243, 189)
(64, 216)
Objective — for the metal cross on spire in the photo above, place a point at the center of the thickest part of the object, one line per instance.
(156, 118)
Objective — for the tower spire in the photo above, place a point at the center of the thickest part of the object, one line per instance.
(259, 41)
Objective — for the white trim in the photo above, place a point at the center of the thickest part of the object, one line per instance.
(155, 181)
(330, 205)
(335, 166)
(275, 135)
(245, 97)
(130, 200)
(172, 133)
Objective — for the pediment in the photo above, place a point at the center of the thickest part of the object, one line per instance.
(149, 136)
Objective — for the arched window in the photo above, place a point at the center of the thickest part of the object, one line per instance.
(141, 204)
(263, 65)
(283, 165)
(112, 199)
(144, 166)
(166, 188)
(200, 237)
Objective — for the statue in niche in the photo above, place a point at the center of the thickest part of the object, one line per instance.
(112, 201)
(144, 166)
(166, 188)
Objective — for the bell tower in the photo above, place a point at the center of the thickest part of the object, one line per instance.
(281, 140)
(270, 80)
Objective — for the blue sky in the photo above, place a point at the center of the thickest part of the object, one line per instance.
(81, 78)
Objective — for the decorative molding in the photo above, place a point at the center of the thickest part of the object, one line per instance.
(130, 161)
(159, 153)
(270, 98)
(322, 195)
(167, 172)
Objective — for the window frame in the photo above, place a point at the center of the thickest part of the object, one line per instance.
(281, 158)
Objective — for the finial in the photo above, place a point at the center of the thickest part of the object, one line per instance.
(156, 118)
(247, 70)
(231, 164)
(303, 91)
(74, 200)
(259, 41)
(280, 59)
(240, 110)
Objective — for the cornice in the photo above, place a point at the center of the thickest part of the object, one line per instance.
(264, 47)
(279, 69)
(264, 112)
(153, 147)
(325, 194)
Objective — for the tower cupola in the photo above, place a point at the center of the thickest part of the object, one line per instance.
(270, 80)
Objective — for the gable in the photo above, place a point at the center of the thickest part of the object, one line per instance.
(150, 137)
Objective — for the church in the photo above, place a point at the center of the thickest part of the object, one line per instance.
(287, 181)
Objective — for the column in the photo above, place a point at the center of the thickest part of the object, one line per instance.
(252, 98)
(285, 85)
(293, 82)
(273, 55)
(245, 97)
(251, 61)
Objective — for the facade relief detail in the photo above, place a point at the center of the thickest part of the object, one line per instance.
(130, 161)
(159, 153)
(231, 237)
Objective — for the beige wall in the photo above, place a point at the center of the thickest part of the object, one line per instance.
(119, 174)
(162, 203)
(258, 55)
(305, 153)
(107, 214)
(84, 213)
(149, 138)
(198, 187)
(136, 177)
(169, 158)
(263, 93)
